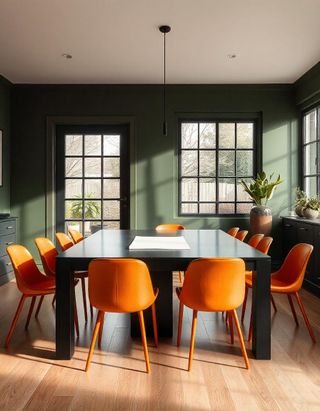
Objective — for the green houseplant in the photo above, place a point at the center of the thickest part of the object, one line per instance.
(261, 190)
(311, 208)
(300, 202)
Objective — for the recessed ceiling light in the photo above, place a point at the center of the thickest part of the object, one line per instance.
(232, 56)
(67, 56)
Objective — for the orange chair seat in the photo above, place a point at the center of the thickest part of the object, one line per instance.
(277, 286)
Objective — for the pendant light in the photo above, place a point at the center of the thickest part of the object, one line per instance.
(164, 30)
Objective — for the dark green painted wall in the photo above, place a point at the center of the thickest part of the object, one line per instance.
(5, 94)
(307, 87)
(155, 162)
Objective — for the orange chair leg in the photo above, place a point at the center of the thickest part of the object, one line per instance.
(243, 348)
(273, 303)
(15, 319)
(193, 335)
(293, 310)
(154, 324)
(76, 320)
(101, 330)
(244, 305)
(305, 317)
(180, 320)
(93, 340)
(39, 306)
(53, 299)
(144, 340)
(84, 298)
(229, 315)
(33, 300)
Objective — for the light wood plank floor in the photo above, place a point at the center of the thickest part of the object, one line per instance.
(31, 379)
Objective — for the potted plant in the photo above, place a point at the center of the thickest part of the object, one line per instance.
(301, 201)
(311, 208)
(261, 191)
(92, 210)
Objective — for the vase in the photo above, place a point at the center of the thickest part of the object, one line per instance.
(260, 220)
(309, 213)
(299, 210)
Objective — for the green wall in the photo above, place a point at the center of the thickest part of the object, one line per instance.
(307, 87)
(5, 91)
(155, 160)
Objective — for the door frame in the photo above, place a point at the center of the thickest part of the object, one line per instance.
(50, 159)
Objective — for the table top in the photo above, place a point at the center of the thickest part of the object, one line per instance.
(203, 244)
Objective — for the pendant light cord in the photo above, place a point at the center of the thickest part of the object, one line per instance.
(164, 83)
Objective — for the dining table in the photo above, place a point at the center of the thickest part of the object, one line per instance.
(206, 243)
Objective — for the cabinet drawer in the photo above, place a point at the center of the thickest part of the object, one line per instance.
(6, 240)
(7, 227)
(5, 265)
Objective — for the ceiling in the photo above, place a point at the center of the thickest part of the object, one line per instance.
(118, 42)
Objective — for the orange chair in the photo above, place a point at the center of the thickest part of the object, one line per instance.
(263, 246)
(241, 235)
(170, 228)
(65, 243)
(30, 281)
(75, 235)
(122, 286)
(48, 253)
(255, 240)
(213, 285)
(233, 231)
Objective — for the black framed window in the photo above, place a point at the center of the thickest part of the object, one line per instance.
(310, 152)
(213, 157)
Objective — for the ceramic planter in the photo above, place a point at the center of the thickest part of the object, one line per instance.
(299, 210)
(309, 213)
(260, 220)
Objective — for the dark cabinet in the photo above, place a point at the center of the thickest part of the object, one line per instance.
(8, 230)
(297, 230)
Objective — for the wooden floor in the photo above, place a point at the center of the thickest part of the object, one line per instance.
(31, 378)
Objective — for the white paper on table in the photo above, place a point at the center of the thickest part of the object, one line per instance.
(159, 243)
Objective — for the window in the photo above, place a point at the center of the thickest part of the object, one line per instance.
(213, 157)
(310, 150)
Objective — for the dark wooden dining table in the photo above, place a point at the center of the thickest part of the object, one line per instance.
(161, 264)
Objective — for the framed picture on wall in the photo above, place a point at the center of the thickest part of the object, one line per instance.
(1, 160)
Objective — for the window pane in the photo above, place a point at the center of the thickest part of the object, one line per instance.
(92, 209)
(76, 225)
(92, 167)
(189, 208)
(92, 188)
(73, 209)
(310, 186)
(111, 188)
(111, 167)
(226, 163)
(189, 189)
(207, 138)
(73, 188)
(207, 189)
(92, 145)
(111, 145)
(245, 135)
(226, 189)
(226, 208)
(189, 163)
(189, 135)
(91, 227)
(111, 225)
(73, 167)
(207, 163)
(310, 158)
(226, 135)
(111, 209)
(241, 194)
(207, 208)
(73, 145)
(245, 163)
(244, 208)
(310, 126)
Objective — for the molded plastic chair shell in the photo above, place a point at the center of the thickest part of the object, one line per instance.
(233, 231)
(48, 253)
(255, 240)
(75, 235)
(169, 227)
(64, 241)
(241, 235)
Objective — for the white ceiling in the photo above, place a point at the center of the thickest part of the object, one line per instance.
(118, 42)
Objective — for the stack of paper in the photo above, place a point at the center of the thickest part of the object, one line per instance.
(159, 243)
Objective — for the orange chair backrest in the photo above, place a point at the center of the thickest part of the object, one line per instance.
(264, 245)
(64, 241)
(233, 231)
(24, 266)
(294, 266)
(255, 240)
(75, 235)
(169, 227)
(214, 284)
(241, 235)
(48, 253)
(120, 285)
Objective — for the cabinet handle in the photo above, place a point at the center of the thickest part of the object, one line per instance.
(9, 227)
(303, 229)
(288, 225)
(7, 264)
(9, 242)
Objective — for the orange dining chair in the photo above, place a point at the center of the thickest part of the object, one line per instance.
(30, 282)
(65, 243)
(121, 286)
(215, 285)
(289, 278)
(255, 240)
(170, 228)
(241, 235)
(75, 235)
(233, 231)
(48, 254)
(263, 246)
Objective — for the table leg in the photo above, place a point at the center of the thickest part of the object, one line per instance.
(261, 314)
(64, 311)
(164, 309)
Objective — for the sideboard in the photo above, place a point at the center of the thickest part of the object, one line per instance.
(8, 235)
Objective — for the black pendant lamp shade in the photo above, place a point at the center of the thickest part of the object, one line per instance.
(164, 30)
